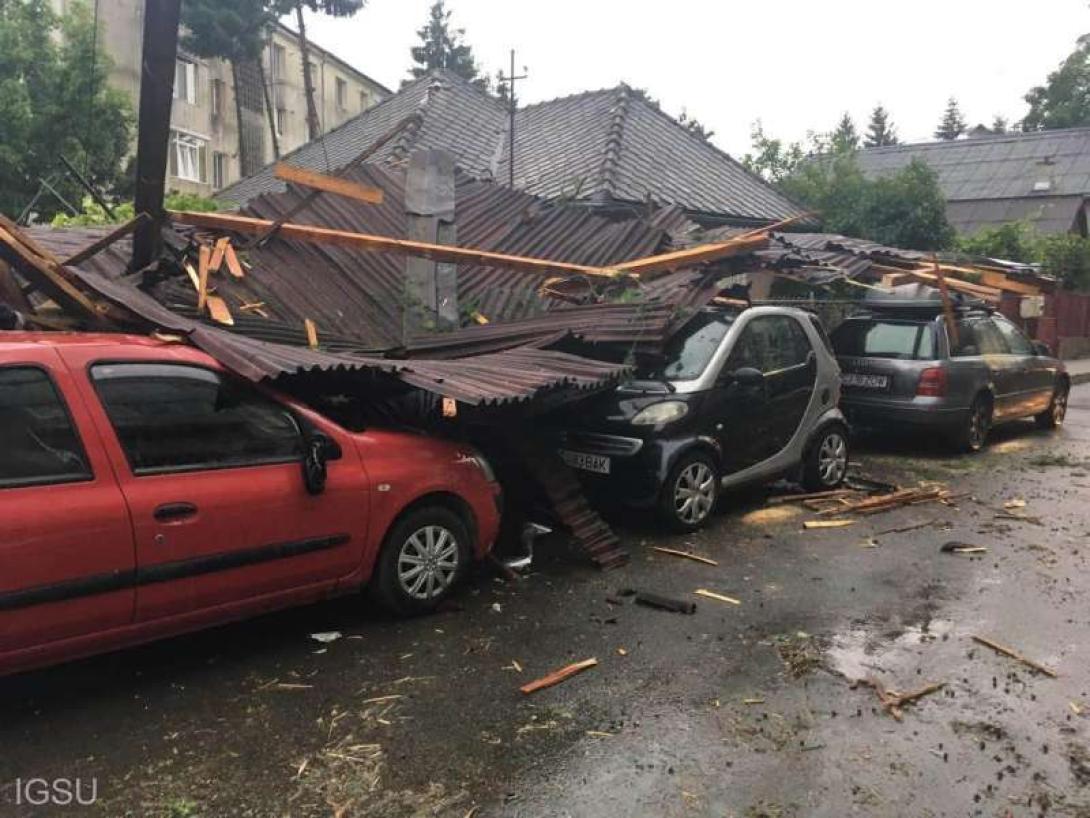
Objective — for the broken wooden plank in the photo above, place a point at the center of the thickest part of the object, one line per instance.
(828, 523)
(312, 333)
(45, 273)
(328, 184)
(685, 554)
(893, 701)
(217, 254)
(101, 244)
(558, 676)
(204, 256)
(689, 257)
(219, 311)
(233, 265)
(704, 592)
(1013, 654)
(816, 495)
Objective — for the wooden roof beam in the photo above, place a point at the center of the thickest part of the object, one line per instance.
(328, 184)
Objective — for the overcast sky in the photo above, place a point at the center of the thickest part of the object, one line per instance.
(794, 64)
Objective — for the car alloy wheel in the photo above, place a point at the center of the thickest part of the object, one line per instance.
(427, 563)
(978, 425)
(1059, 407)
(694, 493)
(832, 458)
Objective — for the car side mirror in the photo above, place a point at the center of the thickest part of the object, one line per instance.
(1042, 349)
(748, 378)
(318, 449)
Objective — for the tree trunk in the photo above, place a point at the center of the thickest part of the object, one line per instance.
(242, 163)
(270, 112)
(314, 125)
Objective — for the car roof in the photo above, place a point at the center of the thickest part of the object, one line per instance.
(18, 341)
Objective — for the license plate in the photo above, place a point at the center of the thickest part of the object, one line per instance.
(861, 381)
(587, 462)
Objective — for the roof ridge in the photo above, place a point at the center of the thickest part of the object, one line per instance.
(988, 140)
(566, 97)
(611, 152)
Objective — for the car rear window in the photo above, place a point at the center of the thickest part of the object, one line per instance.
(877, 338)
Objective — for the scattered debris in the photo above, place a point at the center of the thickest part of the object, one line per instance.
(1013, 654)
(1016, 503)
(827, 523)
(1022, 518)
(1075, 708)
(800, 653)
(885, 502)
(905, 528)
(753, 701)
(893, 701)
(685, 554)
(815, 495)
(622, 652)
(558, 676)
(720, 597)
(665, 603)
(954, 547)
(497, 607)
(325, 637)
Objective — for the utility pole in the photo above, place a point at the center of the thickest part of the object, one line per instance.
(511, 107)
(160, 49)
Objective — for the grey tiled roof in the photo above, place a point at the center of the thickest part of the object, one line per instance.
(597, 146)
(997, 167)
(1048, 214)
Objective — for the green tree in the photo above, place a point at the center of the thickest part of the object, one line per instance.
(1000, 124)
(54, 100)
(952, 124)
(772, 159)
(695, 126)
(1065, 255)
(880, 131)
(442, 47)
(906, 209)
(844, 138)
(1013, 241)
(1064, 100)
(833, 186)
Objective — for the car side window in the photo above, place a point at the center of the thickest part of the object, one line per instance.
(38, 441)
(176, 417)
(770, 343)
(1018, 343)
(978, 336)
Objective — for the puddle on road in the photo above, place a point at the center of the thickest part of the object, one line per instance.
(861, 652)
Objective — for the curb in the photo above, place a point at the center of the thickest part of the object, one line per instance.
(1080, 377)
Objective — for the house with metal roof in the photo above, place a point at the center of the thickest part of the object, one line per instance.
(612, 149)
(1041, 178)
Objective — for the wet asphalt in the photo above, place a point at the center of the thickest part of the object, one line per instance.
(737, 710)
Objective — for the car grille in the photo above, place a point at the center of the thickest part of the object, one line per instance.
(595, 443)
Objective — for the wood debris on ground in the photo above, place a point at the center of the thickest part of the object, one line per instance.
(827, 523)
(558, 676)
(704, 592)
(891, 700)
(955, 547)
(684, 554)
(1013, 654)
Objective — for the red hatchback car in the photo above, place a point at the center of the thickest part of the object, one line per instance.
(145, 491)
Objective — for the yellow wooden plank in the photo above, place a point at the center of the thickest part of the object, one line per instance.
(328, 184)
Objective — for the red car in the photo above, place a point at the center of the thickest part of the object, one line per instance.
(145, 491)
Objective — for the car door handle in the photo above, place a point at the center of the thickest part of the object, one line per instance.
(168, 512)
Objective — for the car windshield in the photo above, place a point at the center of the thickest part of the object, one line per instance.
(876, 338)
(688, 353)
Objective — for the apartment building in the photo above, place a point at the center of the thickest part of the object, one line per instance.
(206, 153)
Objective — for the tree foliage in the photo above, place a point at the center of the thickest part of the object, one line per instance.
(952, 125)
(695, 126)
(442, 47)
(880, 131)
(1065, 255)
(844, 137)
(1064, 100)
(54, 100)
(230, 29)
(771, 158)
(91, 213)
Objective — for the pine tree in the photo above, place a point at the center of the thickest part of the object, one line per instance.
(443, 48)
(999, 124)
(953, 123)
(880, 131)
(845, 138)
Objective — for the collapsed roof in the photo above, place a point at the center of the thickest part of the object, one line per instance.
(607, 148)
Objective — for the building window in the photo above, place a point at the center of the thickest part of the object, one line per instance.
(219, 170)
(277, 61)
(365, 101)
(217, 100)
(185, 81)
(281, 120)
(187, 157)
(342, 94)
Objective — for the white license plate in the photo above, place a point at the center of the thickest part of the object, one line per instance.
(587, 462)
(861, 381)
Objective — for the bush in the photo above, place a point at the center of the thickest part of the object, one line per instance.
(1065, 256)
(92, 214)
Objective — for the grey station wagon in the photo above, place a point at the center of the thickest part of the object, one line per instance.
(901, 368)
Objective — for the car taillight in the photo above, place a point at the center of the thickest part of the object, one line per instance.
(932, 383)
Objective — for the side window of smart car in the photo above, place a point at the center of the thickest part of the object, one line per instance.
(39, 444)
(1016, 341)
(770, 343)
(175, 417)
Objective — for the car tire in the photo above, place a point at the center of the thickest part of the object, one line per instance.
(424, 556)
(690, 492)
(826, 463)
(1053, 417)
(973, 433)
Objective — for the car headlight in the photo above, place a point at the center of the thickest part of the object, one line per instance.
(657, 414)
